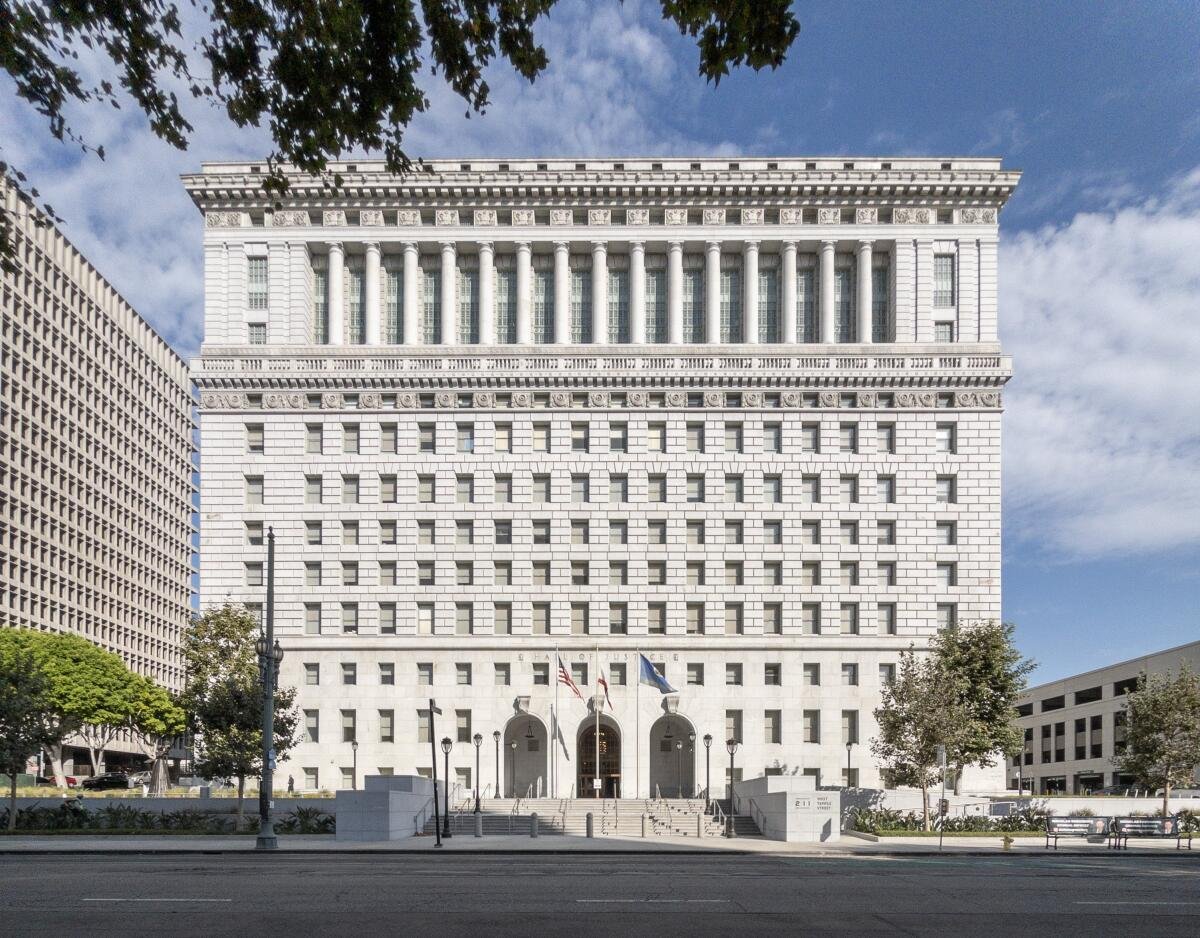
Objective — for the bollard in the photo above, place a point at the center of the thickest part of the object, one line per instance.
(729, 825)
(533, 825)
(699, 825)
(589, 824)
(478, 825)
(205, 792)
(643, 825)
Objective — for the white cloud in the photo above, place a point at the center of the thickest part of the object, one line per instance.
(1102, 433)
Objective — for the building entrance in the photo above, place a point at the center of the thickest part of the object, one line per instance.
(610, 763)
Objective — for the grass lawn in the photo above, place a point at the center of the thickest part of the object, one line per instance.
(949, 834)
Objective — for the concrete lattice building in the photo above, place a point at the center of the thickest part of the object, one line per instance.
(95, 459)
(740, 417)
(1075, 727)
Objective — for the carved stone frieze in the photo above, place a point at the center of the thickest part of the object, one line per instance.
(790, 399)
(977, 216)
(370, 400)
(333, 218)
(406, 400)
(912, 216)
(371, 218)
(445, 216)
(976, 399)
(791, 216)
(599, 399)
(829, 216)
(637, 399)
(714, 399)
(714, 216)
(637, 216)
(408, 217)
(223, 219)
(560, 399)
(444, 399)
(224, 401)
(752, 399)
(753, 216)
(331, 400)
(522, 216)
(916, 399)
(484, 399)
(599, 216)
(290, 219)
(283, 400)
(675, 216)
(868, 399)
(828, 399)
(521, 399)
(484, 217)
(866, 216)
(675, 398)
(562, 216)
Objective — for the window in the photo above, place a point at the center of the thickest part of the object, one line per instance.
(541, 618)
(462, 675)
(946, 438)
(254, 533)
(772, 619)
(465, 438)
(947, 490)
(616, 675)
(810, 488)
(695, 675)
(695, 573)
(462, 725)
(695, 438)
(464, 618)
(580, 489)
(618, 573)
(773, 489)
(502, 674)
(733, 675)
(812, 726)
(350, 438)
(656, 619)
(312, 726)
(773, 727)
(312, 490)
(423, 727)
(350, 618)
(312, 439)
(579, 573)
(848, 618)
(947, 616)
(885, 438)
(503, 490)
(387, 726)
(772, 438)
(541, 488)
(812, 675)
(426, 573)
(735, 532)
(885, 532)
(734, 619)
(541, 437)
(887, 674)
(850, 675)
(656, 532)
(810, 619)
(618, 619)
(254, 439)
(772, 573)
(848, 489)
(695, 532)
(695, 618)
(943, 332)
(810, 438)
(579, 618)
(349, 573)
(427, 533)
(464, 489)
(735, 573)
(735, 489)
(849, 574)
(579, 531)
(848, 437)
(885, 489)
(849, 727)
(733, 725)
(947, 575)
(579, 438)
(502, 619)
(886, 617)
(425, 616)
(848, 533)
(579, 672)
(312, 573)
(695, 488)
(943, 280)
(257, 333)
(504, 535)
(426, 489)
(350, 533)
(387, 674)
(541, 674)
(541, 573)
(426, 438)
(388, 438)
(312, 618)
(733, 438)
(541, 532)
(618, 438)
(810, 573)
(503, 438)
(946, 533)
(349, 673)
(254, 490)
(810, 532)
(425, 675)
(656, 488)
(618, 488)
(618, 532)
(656, 438)
(349, 490)
(312, 674)
(311, 779)
(773, 532)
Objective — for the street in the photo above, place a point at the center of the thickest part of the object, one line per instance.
(598, 895)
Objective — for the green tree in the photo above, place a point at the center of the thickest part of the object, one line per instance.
(158, 719)
(921, 710)
(1162, 747)
(328, 77)
(223, 698)
(990, 675)
(28, 719)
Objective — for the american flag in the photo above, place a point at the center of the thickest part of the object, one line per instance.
(564, 677)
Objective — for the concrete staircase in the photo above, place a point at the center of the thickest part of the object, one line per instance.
(611, 817)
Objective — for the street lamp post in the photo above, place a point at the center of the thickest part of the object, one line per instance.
(707, 772)
(679, 768)
(512, 772)
(269, 657)
(849, 746)
(354, 765)
(692, 759)
(496, 740)
(731, 746)
(447, 745)
(478, 740)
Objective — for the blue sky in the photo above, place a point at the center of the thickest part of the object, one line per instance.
(1100, 302)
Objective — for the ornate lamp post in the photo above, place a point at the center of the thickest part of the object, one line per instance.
(354, 768)
(496, 740)
(679, 768)
(692, 757)
(731, 746)
(478, 740)
(447, 745)
(512, 773)
(849, 746)
(707, 772)
(269, 657)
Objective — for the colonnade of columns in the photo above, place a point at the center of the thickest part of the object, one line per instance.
(599, 286)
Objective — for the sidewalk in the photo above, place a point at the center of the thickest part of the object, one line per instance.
(563, 844)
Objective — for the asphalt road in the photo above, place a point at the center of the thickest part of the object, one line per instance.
(613, 896)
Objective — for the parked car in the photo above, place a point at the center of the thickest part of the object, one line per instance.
(138, 779)
(1123, 791)
(106, 781)
(42, 781)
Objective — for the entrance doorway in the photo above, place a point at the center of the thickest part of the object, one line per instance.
(610, 760)
(524, 755)
(673, 745)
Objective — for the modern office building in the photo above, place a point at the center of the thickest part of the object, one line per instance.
(1075, 727)
(739, 417)
(95, 459)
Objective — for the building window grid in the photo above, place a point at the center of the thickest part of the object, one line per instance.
(618, 306)
(468, 306)
(581, 305)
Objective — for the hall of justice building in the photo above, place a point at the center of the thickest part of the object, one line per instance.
(742, 418)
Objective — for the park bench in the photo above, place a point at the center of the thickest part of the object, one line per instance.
(1122, 828)
(1057, 827)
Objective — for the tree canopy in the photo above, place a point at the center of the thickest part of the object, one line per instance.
(1162, 747)
(327, 77)
(28, 721)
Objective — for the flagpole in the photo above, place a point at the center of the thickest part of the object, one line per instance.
(637, 724)
(554, 727)
(596, 708)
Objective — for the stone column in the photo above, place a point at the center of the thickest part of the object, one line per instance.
(637, 292)
(449, 294)
(750, 292)
(827, 326)
(599, 291)
(411, 315)
(712, 292)
(371, 288)
(864, 296)
(562, 292)
(524, 293)
(675, 292)
(487, 294)
(337, 293)
(787, 291)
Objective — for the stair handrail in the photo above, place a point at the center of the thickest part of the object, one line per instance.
(421, 818)
(755, 809)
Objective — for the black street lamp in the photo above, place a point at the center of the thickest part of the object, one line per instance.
(447, 745)
(269, 657)
(512, 772)
(679, 768)
(354, 769)
(731, 746)
(478, 740)
(849, 746)
(692, 758)
(707, 772)
(496, 740)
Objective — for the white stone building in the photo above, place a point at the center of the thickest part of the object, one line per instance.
(1074, 727)
(740, 417)
(96, 461)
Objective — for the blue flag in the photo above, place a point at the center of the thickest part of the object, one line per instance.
(648, 674)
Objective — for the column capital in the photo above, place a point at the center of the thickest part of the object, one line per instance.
(866, 243)
(829, 242)
(523, 245)
(370, 245)
(600, 246)
(637, 244)
(452, 245)
(485, 245)
(410, 247)
(788, 244)
(748, 243)
(562, 245)
(675, 244)
(712, 244)
(333, 245)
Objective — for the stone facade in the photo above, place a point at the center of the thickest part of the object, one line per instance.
(753, 436)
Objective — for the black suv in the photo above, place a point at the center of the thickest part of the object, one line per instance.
(106, 781)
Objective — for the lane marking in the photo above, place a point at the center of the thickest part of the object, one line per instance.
(154, 900)
(1132, 902)
(659, 901)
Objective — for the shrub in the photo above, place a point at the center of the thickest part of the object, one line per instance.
(1082, 812)
(305, 820)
